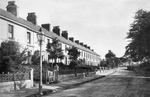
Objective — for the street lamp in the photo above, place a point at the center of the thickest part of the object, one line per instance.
(40, 37)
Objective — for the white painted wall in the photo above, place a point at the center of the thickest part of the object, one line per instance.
(3, 30)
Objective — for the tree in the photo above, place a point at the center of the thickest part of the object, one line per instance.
(139, 34)
(36, 57)
(73, 53)
(109, 55)
(123, 59)
(73, 56)
(81, 62)
(11, 56)
(103, 63)
(110, 58)
(54, 49)
(117, 61)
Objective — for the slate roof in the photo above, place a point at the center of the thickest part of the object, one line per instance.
(30, 26)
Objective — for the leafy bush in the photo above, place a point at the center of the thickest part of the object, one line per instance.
(73, 53)
(12, 55)
(54, 49)
(72, 65)
(36, 58)
(81, 62)
(145, 67)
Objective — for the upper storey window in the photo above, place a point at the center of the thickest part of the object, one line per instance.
(48, 40)
(28, 37)
(11, 31)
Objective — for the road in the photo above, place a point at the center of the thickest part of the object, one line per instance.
(123, 83)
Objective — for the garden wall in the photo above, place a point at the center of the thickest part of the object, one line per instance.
(72, 76)
(66, 77)
(17, 81)
(62, 76)
(36, 72)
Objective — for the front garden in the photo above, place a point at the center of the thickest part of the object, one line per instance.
(14, 61)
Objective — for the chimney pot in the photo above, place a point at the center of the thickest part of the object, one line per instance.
(11, 3)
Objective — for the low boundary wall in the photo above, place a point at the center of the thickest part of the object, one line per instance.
(66, 77)
(72, 76)
(16, 83)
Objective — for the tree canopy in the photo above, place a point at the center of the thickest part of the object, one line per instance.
(139, 34)
(109, 55)
(73, 53)
(36, 57)
(11, 56)
(110, 58)
(54, 49)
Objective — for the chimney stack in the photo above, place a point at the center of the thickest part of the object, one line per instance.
(85, 45)
(81, 43)
(12, 8)
(71, 39)
(77, 41)
(88, 47)
(56, 30)
(47, 26)
(64, 34)
(32, 18)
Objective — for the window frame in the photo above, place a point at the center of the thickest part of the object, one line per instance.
(28, 37)
(48, 40)
(10, 31)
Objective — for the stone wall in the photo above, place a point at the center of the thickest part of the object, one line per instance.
(66, 77)
(62, 77)
(91, 73)
(72, 76)
(80, 75)
(17, 84)
(36, 73)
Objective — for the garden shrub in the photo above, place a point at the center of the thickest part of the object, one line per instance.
(36, 58)
(12, 55)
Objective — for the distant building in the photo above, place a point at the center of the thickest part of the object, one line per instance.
(25, 32)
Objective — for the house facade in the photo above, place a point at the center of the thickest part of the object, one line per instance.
(25, 32)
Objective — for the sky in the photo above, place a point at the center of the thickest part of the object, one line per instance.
(101, 24)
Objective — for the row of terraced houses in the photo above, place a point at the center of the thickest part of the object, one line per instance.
(25, 32)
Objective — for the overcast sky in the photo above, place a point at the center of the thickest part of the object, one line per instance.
(101, 24)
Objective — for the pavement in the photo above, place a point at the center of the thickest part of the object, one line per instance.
(56, 87)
